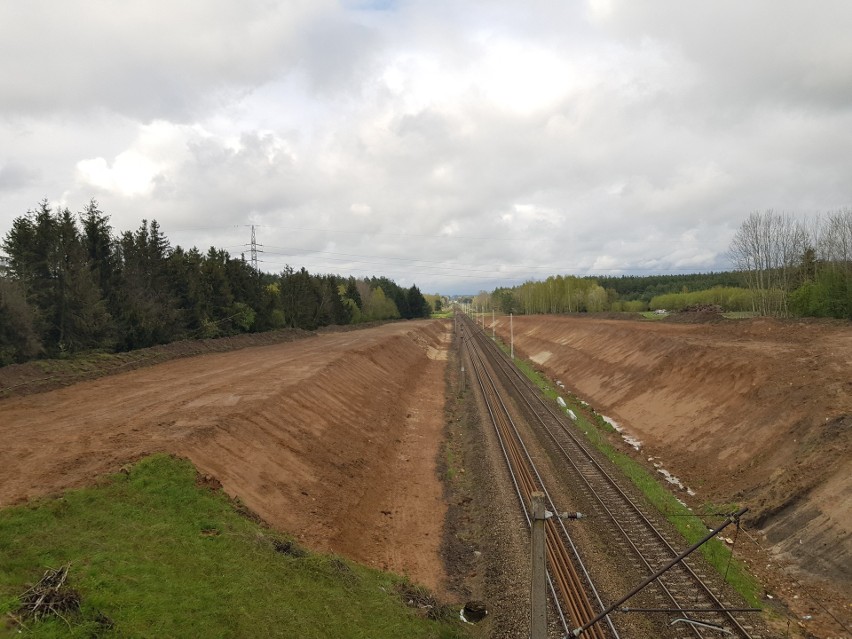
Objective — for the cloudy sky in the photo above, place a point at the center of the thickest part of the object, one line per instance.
(456, 145)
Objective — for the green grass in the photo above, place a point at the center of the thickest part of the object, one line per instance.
(688, 524)
(452, 463)
(692, 527)
(527, 369)
(152, 554)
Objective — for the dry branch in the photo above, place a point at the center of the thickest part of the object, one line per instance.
(51, 596)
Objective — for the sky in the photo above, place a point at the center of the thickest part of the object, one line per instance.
(456, 145)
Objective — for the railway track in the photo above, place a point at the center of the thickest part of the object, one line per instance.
(693, 605)
(571, 587)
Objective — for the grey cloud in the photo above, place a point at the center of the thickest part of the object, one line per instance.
(337, 54)
(778, 53)
(676, 121)
(162, 60)
(217, 183)
(14, 176)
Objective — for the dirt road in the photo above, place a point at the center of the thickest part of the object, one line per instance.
(333, 438)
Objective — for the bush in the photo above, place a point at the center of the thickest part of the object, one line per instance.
(730, 298)
(829, 296)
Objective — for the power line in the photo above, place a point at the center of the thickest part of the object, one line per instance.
(408, 273)
(494, 271)
(382, 233)
(463, 267)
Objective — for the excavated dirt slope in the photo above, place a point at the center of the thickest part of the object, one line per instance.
(754, 411)
(333, 438)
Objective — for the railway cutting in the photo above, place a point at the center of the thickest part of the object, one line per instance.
(623, 540)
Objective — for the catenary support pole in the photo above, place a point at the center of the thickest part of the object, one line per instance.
(461, 358)
(538, 591)
(512, 332)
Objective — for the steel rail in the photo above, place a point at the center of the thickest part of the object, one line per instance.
(521, 472)
(526, 479)
(596, 493)
(511, 372)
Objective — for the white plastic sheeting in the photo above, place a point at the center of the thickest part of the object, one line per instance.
(627, 437)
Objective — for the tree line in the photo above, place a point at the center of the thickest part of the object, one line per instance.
(794, 266)
(646, 287)
(69, 284)
(556, 294)
(783, 266)
(572, 294)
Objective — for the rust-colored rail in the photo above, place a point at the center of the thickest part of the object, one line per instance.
(683, 587)
(569, 579)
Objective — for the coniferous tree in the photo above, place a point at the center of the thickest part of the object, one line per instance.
(48, 259)
(98, 243)
(298, 299)
(417, 304)
(69, 285)
(19, 340)
(149, 313)
(352, 292)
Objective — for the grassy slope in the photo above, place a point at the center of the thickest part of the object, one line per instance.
(154, 554)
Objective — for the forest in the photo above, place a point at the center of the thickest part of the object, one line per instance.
(784, 267)
(68, 284)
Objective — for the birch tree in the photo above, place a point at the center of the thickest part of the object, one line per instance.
(768, 249)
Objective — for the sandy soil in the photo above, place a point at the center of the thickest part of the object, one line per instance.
(334, 439)
(753, 411)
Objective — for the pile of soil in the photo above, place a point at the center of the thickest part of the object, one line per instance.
(697, 313)
(703, 308)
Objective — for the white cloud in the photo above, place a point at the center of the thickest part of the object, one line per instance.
(166, 60)
(522, 77)
(456, 145)
(130, 174)
(154, 154)
(599, 10)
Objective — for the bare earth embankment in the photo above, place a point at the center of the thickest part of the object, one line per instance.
(333, 438)
(757, 412)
